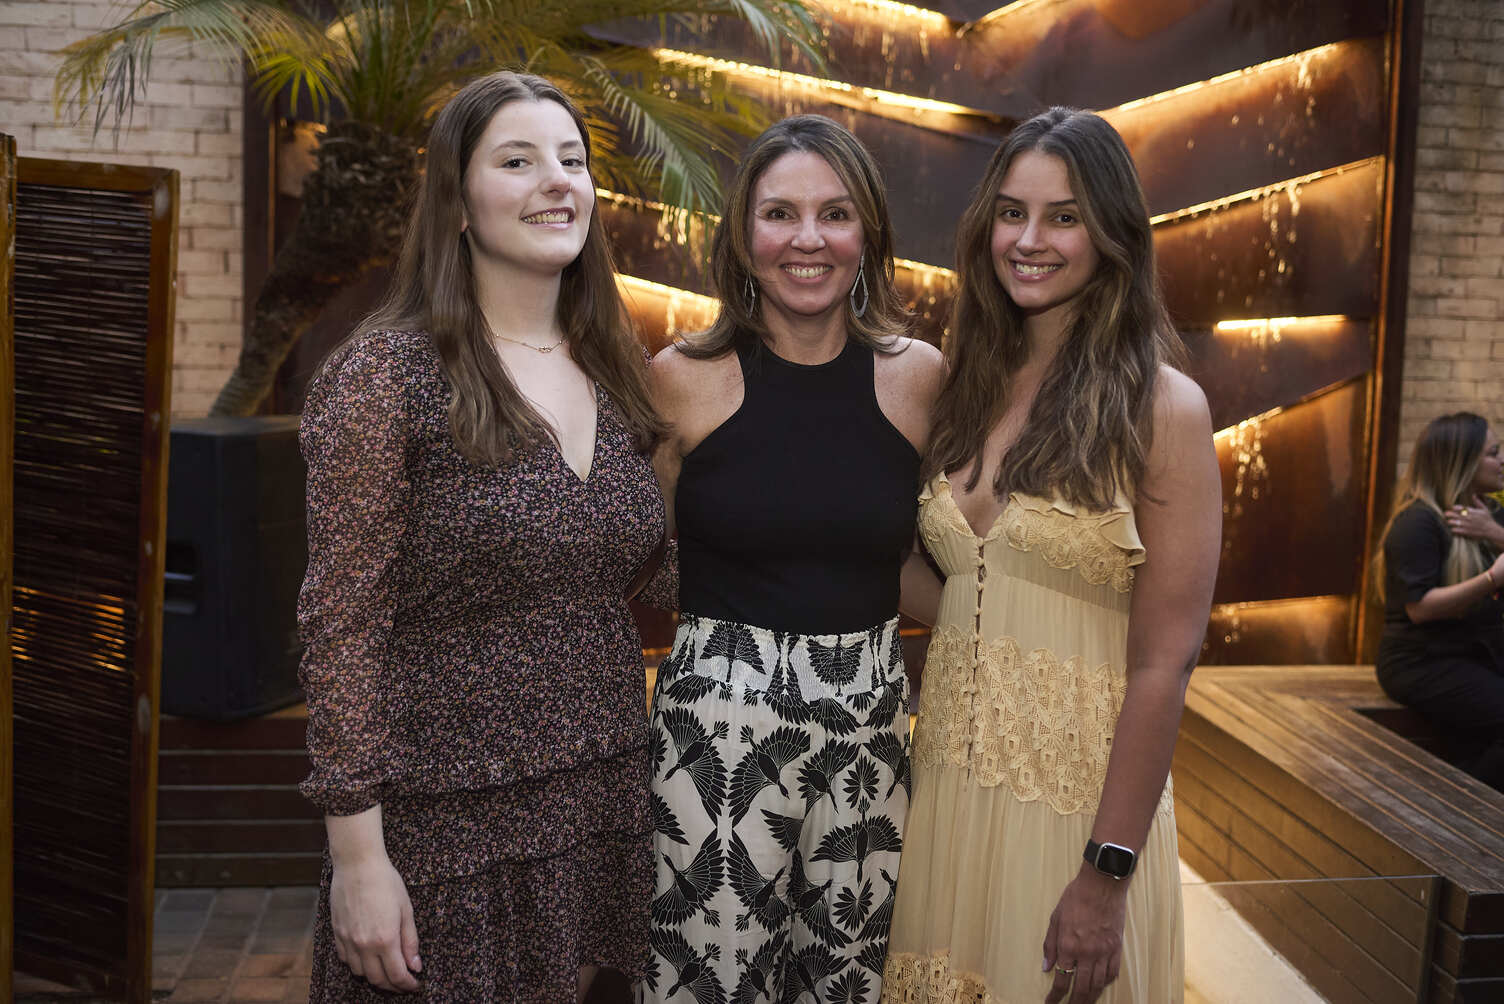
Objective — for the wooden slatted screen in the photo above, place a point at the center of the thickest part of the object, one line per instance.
(95, 266)
(7, 424)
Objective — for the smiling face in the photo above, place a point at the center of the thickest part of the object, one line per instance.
(1041, 250)
(1489, 475)
(527, 191)
(805, 239)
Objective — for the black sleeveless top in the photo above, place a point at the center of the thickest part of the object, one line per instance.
(797, 512)
(1415, 557)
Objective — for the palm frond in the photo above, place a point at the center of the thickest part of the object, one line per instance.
(773, 24)
(109, 70)
(392, 63)
(674, 139)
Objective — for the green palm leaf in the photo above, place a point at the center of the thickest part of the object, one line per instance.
(377, 71)
(109, 70)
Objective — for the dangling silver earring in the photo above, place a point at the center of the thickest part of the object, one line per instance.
(749, 294)
(861, 283)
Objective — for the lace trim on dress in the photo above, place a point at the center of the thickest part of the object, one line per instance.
(1103, 547)
(934, 520)
(920, 979)
(1040, 724)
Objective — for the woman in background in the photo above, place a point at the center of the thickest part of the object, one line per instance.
(1073, 504)
(480, 502)
(1442, 566)
(791, 467)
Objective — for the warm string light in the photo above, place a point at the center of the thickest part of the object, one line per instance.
(1290, 185)
(880, 101)
(1320, 52)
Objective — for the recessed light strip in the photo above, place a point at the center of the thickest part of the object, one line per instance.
(1255, 421)
(1001, 12)
(1254, 323)
(894, 10)
(1261, 193)
(687, 297)
(1320, 51)
(880, 99)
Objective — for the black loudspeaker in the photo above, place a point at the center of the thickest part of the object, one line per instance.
(236, 551)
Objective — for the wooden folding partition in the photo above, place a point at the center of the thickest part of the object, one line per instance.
(7, 425)
(95, 260)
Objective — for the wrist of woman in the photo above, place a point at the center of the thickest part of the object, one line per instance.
(1493, 584)
(1106, 884)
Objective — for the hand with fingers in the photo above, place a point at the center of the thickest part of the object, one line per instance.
(1475, 521)
(1084, 943)
(372, 917)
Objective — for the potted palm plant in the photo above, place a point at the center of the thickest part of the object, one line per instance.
(376, 70)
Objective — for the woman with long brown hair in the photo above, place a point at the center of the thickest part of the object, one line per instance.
(480, 503)
(791, 468)
(1073, 504)
(1442, 566)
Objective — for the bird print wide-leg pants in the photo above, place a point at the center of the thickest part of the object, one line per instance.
(780, 786)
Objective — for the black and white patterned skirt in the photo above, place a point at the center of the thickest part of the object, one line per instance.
(780, 785)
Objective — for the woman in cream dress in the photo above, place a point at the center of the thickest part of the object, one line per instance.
(1073, 505)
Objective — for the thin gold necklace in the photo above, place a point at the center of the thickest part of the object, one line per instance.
(542, 349)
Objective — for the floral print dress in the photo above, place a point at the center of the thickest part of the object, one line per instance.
(472, 667)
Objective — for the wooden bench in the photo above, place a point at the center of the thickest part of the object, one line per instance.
(1288, 773)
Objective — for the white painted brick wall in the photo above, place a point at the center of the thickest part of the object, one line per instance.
(189, 120)
(1454, 339)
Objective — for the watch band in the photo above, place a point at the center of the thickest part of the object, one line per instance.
(1112, 860)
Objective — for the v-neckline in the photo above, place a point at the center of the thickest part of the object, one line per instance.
(595, 442)
(950, 492)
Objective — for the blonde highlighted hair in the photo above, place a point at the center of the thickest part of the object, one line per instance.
(1440, 476)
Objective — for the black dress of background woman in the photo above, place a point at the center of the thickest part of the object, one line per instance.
(1442, 652)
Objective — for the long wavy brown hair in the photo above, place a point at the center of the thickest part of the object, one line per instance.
(433, 290)
(1439, 477)
(740, 324)
(1089, 429)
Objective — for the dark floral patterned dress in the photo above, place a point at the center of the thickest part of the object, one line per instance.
(472, 667)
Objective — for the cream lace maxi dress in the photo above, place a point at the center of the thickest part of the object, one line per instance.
(1021, 693)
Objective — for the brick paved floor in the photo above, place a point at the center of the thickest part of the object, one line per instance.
(227, 945)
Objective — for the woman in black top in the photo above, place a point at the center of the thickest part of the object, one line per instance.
(781, 771)
(1442, 652)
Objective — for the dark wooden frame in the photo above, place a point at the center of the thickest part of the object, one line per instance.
(7, 435)
(258, 195)
(162, 184)
(1385, 396)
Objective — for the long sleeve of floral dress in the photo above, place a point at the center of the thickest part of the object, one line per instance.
(662, 588)
(354, 443)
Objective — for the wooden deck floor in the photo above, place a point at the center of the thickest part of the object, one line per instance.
(1280, 774)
